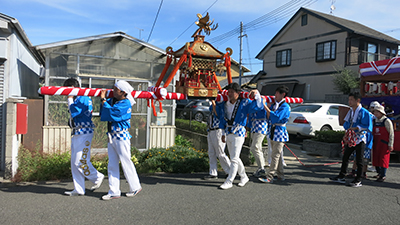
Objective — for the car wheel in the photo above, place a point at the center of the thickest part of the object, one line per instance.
(198, 117)
(326, 128)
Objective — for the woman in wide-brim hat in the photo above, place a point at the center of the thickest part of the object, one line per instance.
(383, 142)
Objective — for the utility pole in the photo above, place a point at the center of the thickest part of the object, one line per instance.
(240, 53)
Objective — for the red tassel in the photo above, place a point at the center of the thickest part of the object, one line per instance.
(154, 108)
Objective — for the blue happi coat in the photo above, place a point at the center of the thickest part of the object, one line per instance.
(81, 111)
(119, 115)
(213, 120)
(279, 118)
(363, 123)
(258, 122)
(245, 107)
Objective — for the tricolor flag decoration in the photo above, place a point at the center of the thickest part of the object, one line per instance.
(380, 67)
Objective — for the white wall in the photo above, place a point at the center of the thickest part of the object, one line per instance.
(18, 52)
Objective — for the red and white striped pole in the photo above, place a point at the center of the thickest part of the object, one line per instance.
(223, 96)
(159, 94)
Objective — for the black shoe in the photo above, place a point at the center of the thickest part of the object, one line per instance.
(338, 179)
(355, 183)
(381, 179)
(210, 177)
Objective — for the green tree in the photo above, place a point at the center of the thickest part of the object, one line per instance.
(345, 80)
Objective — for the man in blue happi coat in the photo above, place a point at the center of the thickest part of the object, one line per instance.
(233, 120)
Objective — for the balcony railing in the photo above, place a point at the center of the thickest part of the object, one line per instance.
(356, 58)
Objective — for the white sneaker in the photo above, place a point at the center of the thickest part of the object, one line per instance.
(97, 186)
(243, 181)
(226, 185)
(133, 193)
(110, 197)
(72, 193)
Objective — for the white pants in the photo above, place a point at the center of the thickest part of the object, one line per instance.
(256, 149)
(81, 166)
(270, 153)
(120, 150)
(216, 149)
(235, 144)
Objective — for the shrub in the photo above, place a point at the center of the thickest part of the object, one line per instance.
(193, 126)
(179, 140)
(34, 166)
(345, 80)
(176, 159)
(100, 162)
(329, 136)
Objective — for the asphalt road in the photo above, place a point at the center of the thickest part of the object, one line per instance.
(306, 197)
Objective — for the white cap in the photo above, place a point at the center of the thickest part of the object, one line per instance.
(374, 104)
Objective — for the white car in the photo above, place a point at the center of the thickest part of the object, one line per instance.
(307, 118)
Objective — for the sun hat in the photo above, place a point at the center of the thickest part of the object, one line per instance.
(380, 109)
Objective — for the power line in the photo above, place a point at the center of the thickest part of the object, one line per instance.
(155, 20)
(248, 51)
(192, 24)
(265, 20)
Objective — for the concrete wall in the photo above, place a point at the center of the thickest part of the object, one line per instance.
(12, 140)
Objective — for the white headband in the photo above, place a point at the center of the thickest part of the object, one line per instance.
(127, 88)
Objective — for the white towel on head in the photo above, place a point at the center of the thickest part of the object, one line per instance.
(127, 88)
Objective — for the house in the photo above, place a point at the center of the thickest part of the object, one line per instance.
(305, 52)
(20, 69)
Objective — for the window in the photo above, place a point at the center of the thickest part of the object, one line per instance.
(304, 20)
(326, 51)
(333, 110)
(207, 104)
(283, 58)
(372, 49)
(306, 108)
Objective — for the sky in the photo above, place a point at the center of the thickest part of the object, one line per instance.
(48, 21)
